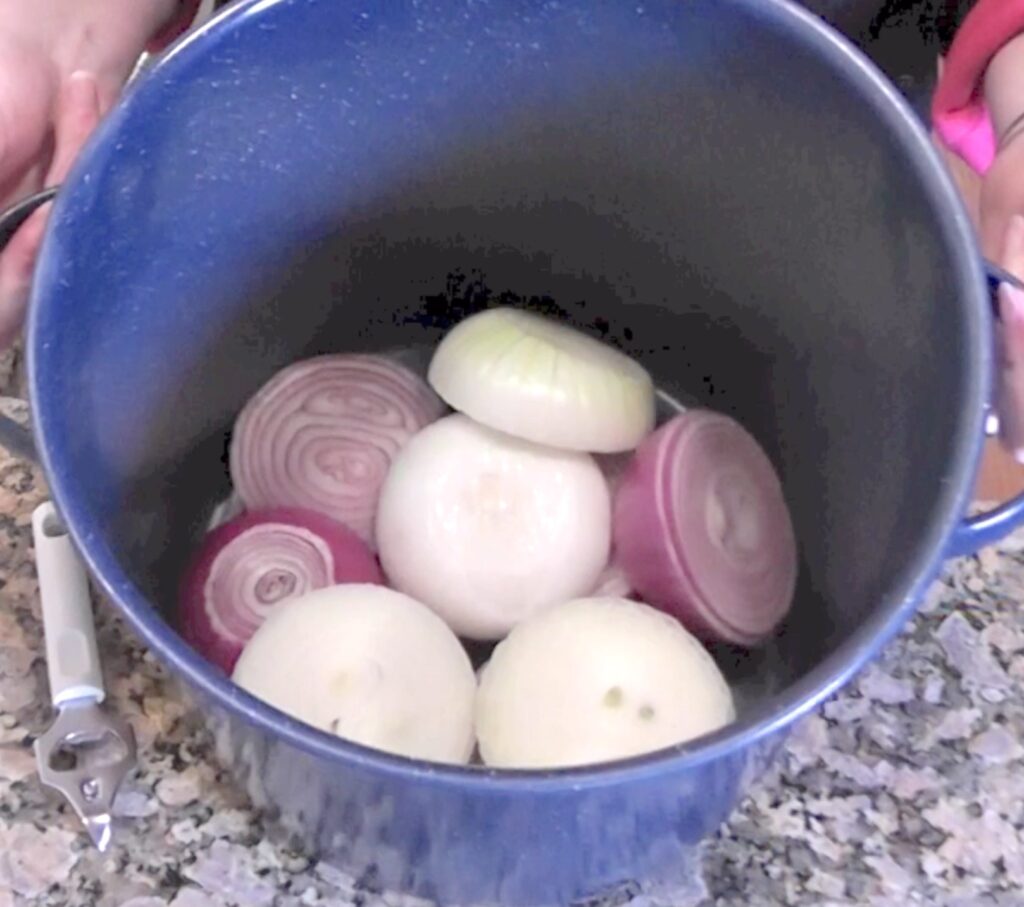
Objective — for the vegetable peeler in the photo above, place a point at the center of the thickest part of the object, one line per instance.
(87, 751)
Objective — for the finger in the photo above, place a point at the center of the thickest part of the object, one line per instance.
(109, 90)
(27, 96)
(16, 275)
(77, 115)
(30, 183)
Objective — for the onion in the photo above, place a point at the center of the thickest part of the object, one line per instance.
(248, 566)
(594, 680)
(321, 435)
(612, 583)
(614, 467)
(542, 381)
(368, 664)
(486, 529)
(702, 529)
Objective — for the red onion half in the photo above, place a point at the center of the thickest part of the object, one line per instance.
(252, 563)
(702, 529)
(321, 434)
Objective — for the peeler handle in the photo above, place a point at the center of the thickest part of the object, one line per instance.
(72, 658)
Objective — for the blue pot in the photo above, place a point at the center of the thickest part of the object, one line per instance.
(724, 188)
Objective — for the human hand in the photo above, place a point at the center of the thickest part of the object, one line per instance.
(995, 204)
(1000, 199)
(1001, 234)
(1010, 340)
(62, 65)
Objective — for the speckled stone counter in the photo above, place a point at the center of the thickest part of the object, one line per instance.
(908, 788)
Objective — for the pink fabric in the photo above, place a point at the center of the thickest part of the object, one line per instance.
(959, 114)
(969, 133)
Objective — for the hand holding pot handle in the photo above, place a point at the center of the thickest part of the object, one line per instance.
(22, 227)
(14, 437)
(79, 111)
(62, 67)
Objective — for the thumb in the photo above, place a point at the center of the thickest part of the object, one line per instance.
(78, 113)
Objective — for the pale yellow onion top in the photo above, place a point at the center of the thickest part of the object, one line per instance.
(534, 378)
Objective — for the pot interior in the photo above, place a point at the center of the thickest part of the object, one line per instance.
(716, 188)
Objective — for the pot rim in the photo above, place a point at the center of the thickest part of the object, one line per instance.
(772, 715)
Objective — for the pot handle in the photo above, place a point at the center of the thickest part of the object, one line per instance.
(13, 436)
(977, 532)
(985, 529)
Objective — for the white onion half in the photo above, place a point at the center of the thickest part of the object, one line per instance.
(545, 382)
(487, 529)
(370, 665)
(594, 680)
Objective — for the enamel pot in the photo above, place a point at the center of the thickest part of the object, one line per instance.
(725, 189)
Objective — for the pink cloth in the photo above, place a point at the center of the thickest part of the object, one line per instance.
(959, 114)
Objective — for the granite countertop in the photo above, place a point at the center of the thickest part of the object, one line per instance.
(908, 787)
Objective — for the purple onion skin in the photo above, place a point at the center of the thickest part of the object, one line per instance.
(332, 553)
(321, 435)
(676, 564)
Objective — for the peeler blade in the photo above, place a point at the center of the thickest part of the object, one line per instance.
(98, 828)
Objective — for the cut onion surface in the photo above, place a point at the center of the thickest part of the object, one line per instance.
(486, 528)
(703, 531)
(543, 381)
(249, 565)
(321, 434)
(593, 680)
(368, 664)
